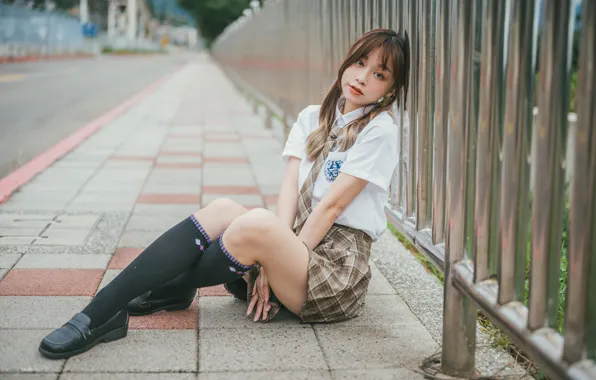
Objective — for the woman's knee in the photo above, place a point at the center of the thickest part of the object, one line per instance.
(252, 227)
(226, 206)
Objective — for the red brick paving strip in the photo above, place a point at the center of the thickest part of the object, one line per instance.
(123, 257)
(180, 153)
(51, 282)
(168, 320)
(226, 160)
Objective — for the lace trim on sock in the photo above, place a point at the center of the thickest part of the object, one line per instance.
(196, 222)
(229, 256)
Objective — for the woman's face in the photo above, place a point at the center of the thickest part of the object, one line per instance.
(365, 81)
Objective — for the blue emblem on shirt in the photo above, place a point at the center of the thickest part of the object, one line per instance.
(332, 169)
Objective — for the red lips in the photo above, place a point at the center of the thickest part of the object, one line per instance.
(355, 90)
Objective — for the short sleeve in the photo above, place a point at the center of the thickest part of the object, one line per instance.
(296, 143)
(374, 156)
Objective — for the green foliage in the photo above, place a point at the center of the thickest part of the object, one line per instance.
(213, 16)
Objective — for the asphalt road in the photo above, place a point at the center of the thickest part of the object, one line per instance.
(41, 103)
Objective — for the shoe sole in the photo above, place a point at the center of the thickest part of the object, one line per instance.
(175, 307)
(110, 336)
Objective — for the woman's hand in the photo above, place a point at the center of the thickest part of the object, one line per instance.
(260, 298)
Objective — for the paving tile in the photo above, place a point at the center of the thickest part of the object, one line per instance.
(28, 231)
(7, 220)
(278, 375)
(394, 346)
(179, 165)
(181, 211)
(270, 198)
(75, 221)
(168, 320)
(246, 200)
(213, 308)
(381, 311)
(26, 312)
(270, 350)
(168, 188)
(214, 291)
(378, 283)
(100, 206)
(123, 257)
(141, 351)
(30, 376)
(50, 282)
(223, 149)
(131, 158)
(190, 153)
(16, 240)
(7, 260)
(152, 223)
(3, 273)
(231, 190)
(192, 199)
(226, 160)
(63, 237)
(137, 239)
(18, 352)
(129, 376)
(108, 276)
(180, 159)
(229, 177)
(63, 260)
(377, 374)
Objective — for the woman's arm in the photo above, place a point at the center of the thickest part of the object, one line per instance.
(287, 201)
(343, 190)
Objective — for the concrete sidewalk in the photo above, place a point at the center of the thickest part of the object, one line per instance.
(72, 228)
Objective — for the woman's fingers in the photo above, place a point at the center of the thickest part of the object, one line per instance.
(259, 310)
(253, 301)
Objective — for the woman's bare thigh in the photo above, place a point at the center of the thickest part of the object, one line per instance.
(260, 236)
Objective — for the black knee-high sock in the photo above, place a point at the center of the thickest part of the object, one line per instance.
(170, 255)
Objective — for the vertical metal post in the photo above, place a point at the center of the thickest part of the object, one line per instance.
(487, 159)
(548, 202)
(519, 99)
(459, 315)
(580, 315)
(412, 107)
(441, 113)
(425, 112)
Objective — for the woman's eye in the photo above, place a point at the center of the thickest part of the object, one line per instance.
(379, 76)
(360, 62)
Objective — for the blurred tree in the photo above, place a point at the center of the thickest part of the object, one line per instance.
(212, 16)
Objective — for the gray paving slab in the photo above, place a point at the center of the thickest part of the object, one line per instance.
(3, 273)
(129, 376)
(18, 352)
(405, 345)
(63, 237)
(179, 159)
(21, 231)
(141, 351)
(75, 221)
(260, 375)
(242, 199)
(270, 350)
(31, 312)
(213, 309)
(106, 206)
(38, 205)
(378, 283)
(137, 238)
(18, 240)
(181, 211)
(219, 149)
(152, 223)
(377, 374)
(108, 276)
(8, 260)
(63, 261)
(231, 177)
(30, 376)
(102, 197)
(168, 188)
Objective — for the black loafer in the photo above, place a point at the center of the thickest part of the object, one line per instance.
(145, 305)
(75, 336)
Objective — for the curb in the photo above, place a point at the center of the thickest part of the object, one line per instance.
(25, 173)
(35, 58)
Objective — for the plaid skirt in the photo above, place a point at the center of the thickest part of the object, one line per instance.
(338, 276)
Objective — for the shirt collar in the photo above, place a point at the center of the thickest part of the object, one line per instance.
(344, 119)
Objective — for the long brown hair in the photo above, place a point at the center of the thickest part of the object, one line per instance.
(395, 48)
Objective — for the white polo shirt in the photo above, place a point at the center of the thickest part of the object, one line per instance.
(373, 157)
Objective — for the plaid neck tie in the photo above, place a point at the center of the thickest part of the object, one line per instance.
(305, 197)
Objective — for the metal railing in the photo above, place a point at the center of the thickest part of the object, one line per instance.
(481, 185)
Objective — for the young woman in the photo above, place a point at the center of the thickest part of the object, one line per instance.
(314, 252)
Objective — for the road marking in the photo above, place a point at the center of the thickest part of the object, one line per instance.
(11, 78)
